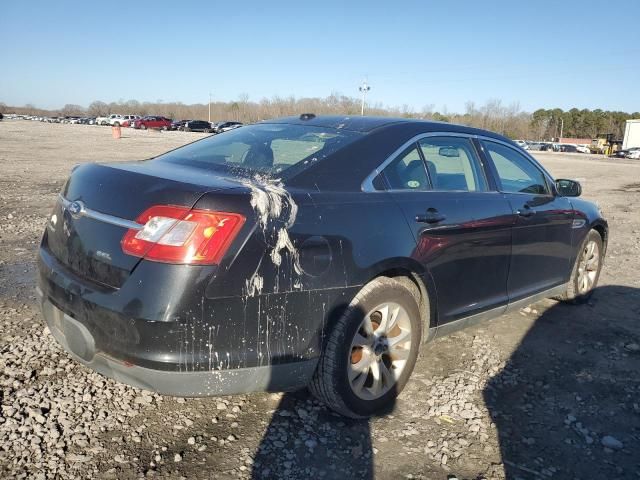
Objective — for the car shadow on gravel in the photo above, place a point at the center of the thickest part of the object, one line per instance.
(566, 404)
(305, 439)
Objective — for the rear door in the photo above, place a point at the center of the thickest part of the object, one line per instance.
(461, 224)
(542, 230)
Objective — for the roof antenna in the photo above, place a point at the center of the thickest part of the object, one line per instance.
(307, 116)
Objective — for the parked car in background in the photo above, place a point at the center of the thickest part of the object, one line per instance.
(105, 120)
(535, 145)
(197, 126)
(522, 144)
(225, 126)
(128, 122)
(625, 152)
(633, 153)
(567, 148)
(178, 124)
(152, 121)
(245, 261)
(583, 149)
(120, 120)
(549, 147)
(115, 119)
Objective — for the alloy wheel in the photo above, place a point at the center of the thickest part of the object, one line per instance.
(588, 267)
(379, 351)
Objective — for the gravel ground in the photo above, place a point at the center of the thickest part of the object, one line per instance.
(551, 391)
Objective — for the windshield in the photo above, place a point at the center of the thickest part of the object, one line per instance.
(262, 148)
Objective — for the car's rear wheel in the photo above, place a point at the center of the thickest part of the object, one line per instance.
(586, 270)
(116, 124)
(143, 126)
(371, 351)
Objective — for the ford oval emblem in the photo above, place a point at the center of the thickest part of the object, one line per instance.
(75, 208)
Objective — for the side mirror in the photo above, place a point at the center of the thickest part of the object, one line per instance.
(568, 188)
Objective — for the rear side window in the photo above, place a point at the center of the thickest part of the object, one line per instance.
(517, 174)
(453, 164)
(407, 171)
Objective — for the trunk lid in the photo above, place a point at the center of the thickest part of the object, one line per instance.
(99, 203)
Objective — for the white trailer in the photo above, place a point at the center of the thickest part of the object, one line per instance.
(631, 134)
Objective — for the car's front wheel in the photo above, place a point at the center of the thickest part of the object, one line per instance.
(371, 351)
(586, 270)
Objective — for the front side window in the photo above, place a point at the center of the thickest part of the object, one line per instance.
(517, 174)
(407, 171)
(453, 164)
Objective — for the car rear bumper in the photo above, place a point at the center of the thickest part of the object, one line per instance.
(78, 341)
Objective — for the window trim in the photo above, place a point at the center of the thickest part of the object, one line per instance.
(550, 184)
(367, 184)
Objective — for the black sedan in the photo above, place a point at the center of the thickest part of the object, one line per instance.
(307, 251)
(197, 126)
(568, 149)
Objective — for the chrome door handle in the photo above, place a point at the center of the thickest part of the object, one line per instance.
(526, 211)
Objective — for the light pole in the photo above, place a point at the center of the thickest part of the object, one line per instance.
(209, 107)
(364, 88)
(561, 129)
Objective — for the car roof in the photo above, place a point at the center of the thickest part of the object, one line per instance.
(367, 124)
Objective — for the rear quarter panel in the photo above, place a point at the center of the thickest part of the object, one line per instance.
(259, 312)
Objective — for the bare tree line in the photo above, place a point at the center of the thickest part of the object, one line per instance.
(509, 120)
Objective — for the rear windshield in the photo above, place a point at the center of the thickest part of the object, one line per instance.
(263, 148)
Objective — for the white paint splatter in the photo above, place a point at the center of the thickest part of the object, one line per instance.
(284, 243)
(254, 284)
(270, 200)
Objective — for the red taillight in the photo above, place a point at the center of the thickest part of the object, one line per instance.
(181, 235)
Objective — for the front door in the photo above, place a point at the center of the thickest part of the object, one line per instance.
(542, 249)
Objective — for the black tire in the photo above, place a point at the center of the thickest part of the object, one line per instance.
(143, 126)
(116, 124)
(330, 383)
(573, 293)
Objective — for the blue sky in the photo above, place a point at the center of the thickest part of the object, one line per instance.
(538, 53)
